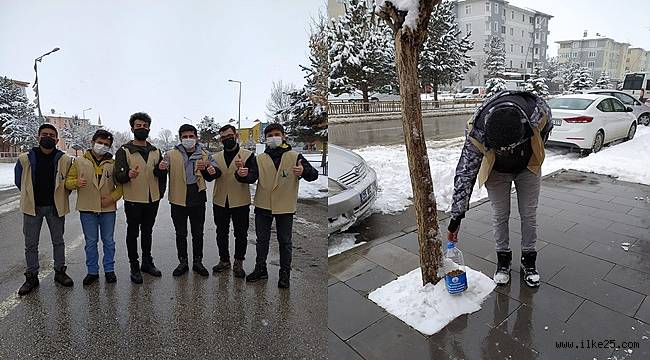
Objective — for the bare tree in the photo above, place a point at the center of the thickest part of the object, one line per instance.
(280, 99)
(165, 140)
(409, 38)
(120, 138)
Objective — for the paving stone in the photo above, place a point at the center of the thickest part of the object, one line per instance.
(597, 235)
(622, 218)
(563, 239)
(605, 205)
(557, 222)
(640, 204)
(616, 254)
(479, 264)
(581, 219)
(567, 206)
(347, 266)
(639, 212)
(630, 230)
(331, 280)
(348, 312)
(474, 227)
(643, 313)
(592, 195)
(337, 349)
(583, 283)
(393, 258)
(630, 279)
(371, 280)
(560, 195)
(390, 338)
(408, 242)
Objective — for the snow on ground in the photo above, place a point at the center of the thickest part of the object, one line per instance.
(314, 189)
(627, 161)
(430, 308)
(340, 242)
(6, 175)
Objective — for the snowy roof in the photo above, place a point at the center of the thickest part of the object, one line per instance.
(19, 83)
(592, 38)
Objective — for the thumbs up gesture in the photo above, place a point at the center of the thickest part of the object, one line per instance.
(242, 171)
(133, 173)
(239, 163)
(81, 181)
(164, 164)
(298, 169)
(200, 165)
(211, 170)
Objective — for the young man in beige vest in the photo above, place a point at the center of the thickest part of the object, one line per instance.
(189, 169)
(231, 200)
(40, 177)
(505, 144)
(137, 168)
(277, 172)
(97, 193)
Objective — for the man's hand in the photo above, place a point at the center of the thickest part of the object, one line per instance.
(81, 182)
(452, 230)
(163, 165)
(298, 169)
(107, 201)
(212, 170)
(200, 165)
(239, 163)
(133, 173)
(242, 172)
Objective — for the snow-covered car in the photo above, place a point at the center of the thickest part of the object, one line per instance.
(352, 189)
(589, 121)
(641, 111)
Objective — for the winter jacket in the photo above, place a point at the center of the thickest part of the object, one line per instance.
(228, 192)
(101, 182)
(122, 170)
(187, 184)
(477, 158)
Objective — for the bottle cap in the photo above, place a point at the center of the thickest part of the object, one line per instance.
(450, 245)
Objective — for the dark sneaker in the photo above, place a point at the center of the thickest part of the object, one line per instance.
(528, 268)
(221, 266)
(31, 283)
(283, 282)
(502, 274)
(110, 277)
(90, 278)
(62, 278)
(238, 269)
(181, 269)
(198, 268)
(149, 268)
(258, 274)
(136, 275)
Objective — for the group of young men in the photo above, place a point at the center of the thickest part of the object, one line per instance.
(45, 177)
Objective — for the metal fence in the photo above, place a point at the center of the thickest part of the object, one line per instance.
(373, 107)
(9, 154)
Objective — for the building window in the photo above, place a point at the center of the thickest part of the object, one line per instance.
(512, 32)
(522, 49)
(591, 64)
(530, 65)
(511, 64)
(592, 54)
(538, 20)
(574, 55)
(576, 45)
(504, 12)
(487, 7)
(496, 26)
(496, 8)
(532, 19)
(522, 33)
(536, 51)
(503, 29)
(543, 36)
(523, 17)
(468, 28)
(521, 64)
(512, 15)
(512, 49)
(468, 9)
(593, 43)
(536, 36)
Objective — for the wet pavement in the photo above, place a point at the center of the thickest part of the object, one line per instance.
(189, 317)
(592, 289)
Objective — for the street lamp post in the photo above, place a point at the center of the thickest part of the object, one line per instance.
(239, 111)
(186, 118)
(36, 89)
(83, 112)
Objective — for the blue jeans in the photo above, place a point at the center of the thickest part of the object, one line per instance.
(93, 224)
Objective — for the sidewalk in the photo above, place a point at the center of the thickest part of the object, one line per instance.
(592, 289)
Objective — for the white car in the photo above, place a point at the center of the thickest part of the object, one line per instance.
(641, 111)
(589, 121)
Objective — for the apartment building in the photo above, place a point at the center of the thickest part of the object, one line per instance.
(638, 60)
(598, 53)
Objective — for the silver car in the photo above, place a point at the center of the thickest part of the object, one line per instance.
(352, 186)
(640, 111)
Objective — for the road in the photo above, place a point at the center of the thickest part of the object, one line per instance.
(181, 318)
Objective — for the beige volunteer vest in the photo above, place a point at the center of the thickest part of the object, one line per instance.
(277, 190)
(61, 201)
(90, 197)
(146, 184)
(178, 179)
(489, 156)
(226, 186)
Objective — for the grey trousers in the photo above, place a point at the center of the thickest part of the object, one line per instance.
(32, 231)
(498, 187)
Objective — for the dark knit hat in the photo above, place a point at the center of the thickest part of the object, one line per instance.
(505, 125)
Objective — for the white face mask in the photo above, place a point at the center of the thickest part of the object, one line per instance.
(273, 141)
(188, 143)
(100, 149)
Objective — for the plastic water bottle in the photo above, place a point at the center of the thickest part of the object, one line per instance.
(454, 266)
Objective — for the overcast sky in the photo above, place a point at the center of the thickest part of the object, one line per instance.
(623, 20)
(169, 58)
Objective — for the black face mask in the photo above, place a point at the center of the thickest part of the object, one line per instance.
(141, 134)
(47, 143)
(229, 144)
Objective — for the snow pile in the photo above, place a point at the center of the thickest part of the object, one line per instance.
(430, 308)
(314, 189)
(391, 165)
(6, 176)
(412, 8)
(340, 242)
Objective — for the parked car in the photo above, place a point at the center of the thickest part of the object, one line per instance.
(471, 92)
(634, 82)
(352, 186)
(589, 121)
(641, 111)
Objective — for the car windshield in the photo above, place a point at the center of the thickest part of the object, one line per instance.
(467, 90)
(569, 103)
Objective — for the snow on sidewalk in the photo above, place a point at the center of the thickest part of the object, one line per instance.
(314, 189)
(627, 161)
(6, 176)
(430, 308)
(340, 242)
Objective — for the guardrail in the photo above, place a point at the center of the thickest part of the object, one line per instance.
(9, 154)
(356, 107)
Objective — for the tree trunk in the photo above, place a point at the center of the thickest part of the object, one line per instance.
(366, 98)
(323, 162)
(435, 93)
(430, 249)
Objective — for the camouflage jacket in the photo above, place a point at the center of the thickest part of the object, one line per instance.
(471, 157)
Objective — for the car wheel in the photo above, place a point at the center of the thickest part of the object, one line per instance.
(631, 132)
(598, 142)
(644, 119)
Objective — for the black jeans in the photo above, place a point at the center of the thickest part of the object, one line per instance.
(140, 218)
(196, 214)
(240, 222)
(283, 227)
